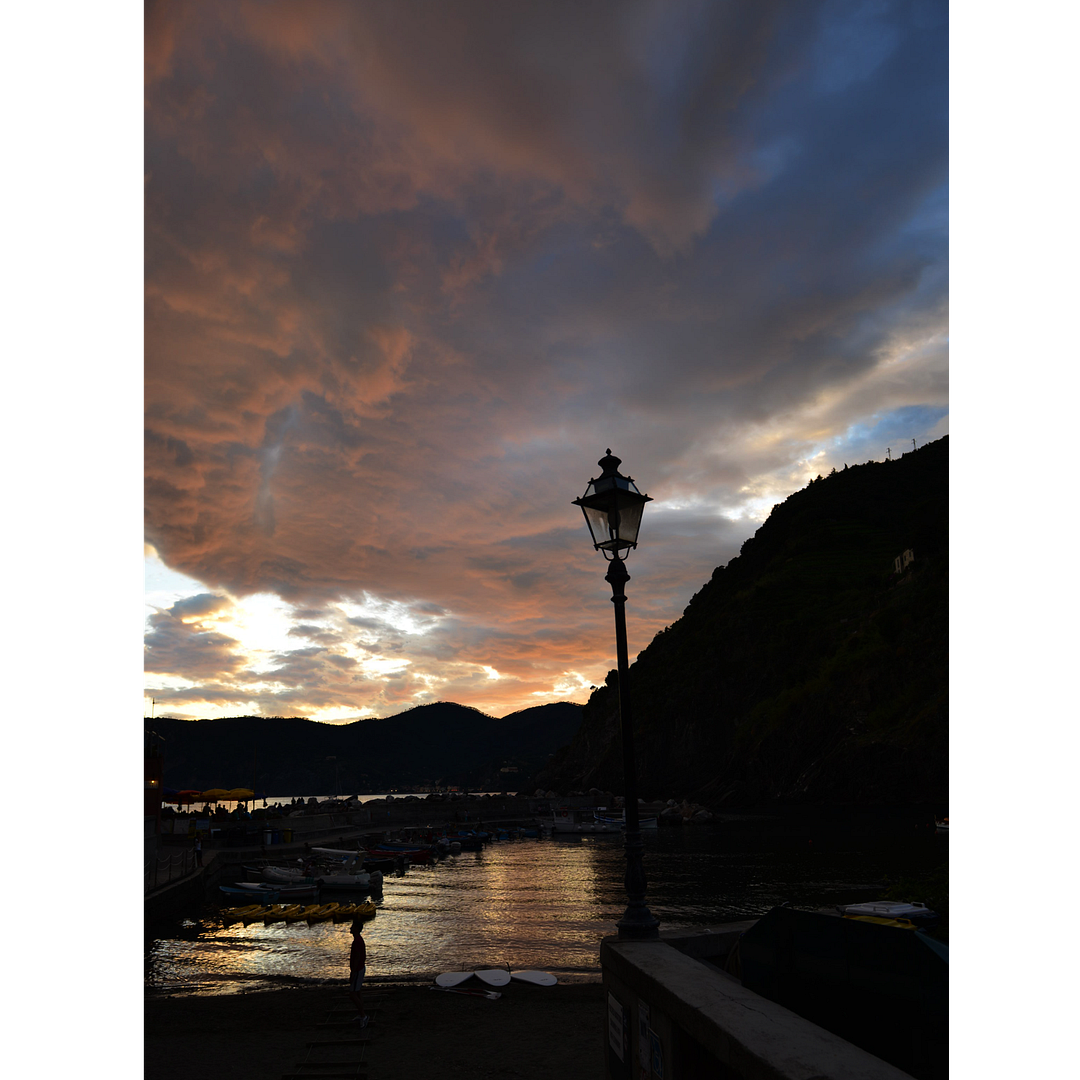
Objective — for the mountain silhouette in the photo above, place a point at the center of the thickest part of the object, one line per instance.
(808, 668)
(438, 743)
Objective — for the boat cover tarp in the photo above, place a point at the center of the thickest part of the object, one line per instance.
(883, 988)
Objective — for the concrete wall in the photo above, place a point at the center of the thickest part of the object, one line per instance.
(678, 1016)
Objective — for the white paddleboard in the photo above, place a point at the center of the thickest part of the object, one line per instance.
(491, 995)
(494, 976)
(538, 978)
(452, 978)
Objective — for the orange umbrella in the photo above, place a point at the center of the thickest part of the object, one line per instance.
(184, 798)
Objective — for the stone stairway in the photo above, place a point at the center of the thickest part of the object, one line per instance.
(339, 1054)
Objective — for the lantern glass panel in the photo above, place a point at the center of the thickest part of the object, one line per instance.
(597, 519)
(629, 520)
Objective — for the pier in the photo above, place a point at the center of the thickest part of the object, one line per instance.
(174, 883)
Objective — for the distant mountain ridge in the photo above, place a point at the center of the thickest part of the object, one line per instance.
(808, 668)
(438, 743)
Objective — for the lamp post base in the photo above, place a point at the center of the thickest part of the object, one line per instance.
(638, 926)
(638, 922)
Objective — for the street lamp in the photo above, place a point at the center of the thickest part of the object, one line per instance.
(612, 506)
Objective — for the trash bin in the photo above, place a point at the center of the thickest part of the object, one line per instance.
(277, 836)
(286, 835)
(268, 836)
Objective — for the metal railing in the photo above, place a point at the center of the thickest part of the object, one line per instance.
(160, 871)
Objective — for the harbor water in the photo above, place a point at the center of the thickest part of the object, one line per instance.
(547, 903)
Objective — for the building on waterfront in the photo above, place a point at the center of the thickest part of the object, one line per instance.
(153, 790)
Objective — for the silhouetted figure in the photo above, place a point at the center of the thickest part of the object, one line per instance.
(357, 966)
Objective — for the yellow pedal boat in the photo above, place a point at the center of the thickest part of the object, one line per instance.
(363, 912)
(322, 913)
(280, 912)
(235, 914)
(304, 911)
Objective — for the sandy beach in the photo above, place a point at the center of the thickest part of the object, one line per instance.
(529, 1033)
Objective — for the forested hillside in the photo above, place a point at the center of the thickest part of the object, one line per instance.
(807, 668)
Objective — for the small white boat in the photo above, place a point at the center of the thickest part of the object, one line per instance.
(346, 881)
(886, 909)
(494, 976)
(452, 978)
(286, 875)
(584, 822)
(651, 822)
(294, 891)
(349, 875)
(537, 978)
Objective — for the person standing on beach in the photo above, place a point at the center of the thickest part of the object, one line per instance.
(357, 964)
(198, 851)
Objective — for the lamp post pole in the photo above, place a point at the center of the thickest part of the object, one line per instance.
(638, 922)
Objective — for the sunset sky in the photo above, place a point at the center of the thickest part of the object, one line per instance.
(411, 268)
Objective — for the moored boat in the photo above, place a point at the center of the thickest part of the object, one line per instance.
(268, 896)
(651, 822)
(236, 914)
(256, 916)
(322, 913)
(280, 912)
(903, 924)
(351, 912)
(348, 873)
(419, 855)
(345, 881)
(302, 912)
(292, 892)
(889, 911)
(365, 911)
(384, 864)
(285, 875)
(584, 822)
(469, 840)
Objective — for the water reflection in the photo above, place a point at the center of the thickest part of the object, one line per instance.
(545, 904)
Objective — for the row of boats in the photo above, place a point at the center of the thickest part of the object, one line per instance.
(292, 913)
(282, 890)
(362, 870)
(329, 868)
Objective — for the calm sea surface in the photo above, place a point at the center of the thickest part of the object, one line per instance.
(547, 903)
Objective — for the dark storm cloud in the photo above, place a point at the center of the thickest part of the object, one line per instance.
(411, 269)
